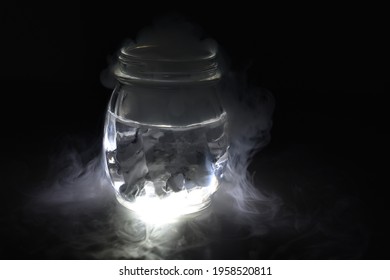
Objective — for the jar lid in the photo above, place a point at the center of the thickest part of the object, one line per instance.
(166, 64)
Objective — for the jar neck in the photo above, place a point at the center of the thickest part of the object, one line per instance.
(170, 80)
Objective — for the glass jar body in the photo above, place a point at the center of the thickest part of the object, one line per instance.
(165, 146)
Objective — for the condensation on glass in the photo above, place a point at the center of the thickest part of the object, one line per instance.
(165, 142)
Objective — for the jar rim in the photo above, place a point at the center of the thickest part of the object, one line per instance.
(160, 63)
(163, 53)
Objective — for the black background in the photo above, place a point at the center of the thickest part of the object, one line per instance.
(324, 66)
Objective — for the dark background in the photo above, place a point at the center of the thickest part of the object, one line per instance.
(324, 66)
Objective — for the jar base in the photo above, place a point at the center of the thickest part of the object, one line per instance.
(163, 210)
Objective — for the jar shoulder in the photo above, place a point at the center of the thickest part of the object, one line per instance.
(174, 106)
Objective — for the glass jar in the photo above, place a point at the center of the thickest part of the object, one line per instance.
(165, 141)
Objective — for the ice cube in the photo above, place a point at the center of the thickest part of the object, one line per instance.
(176, 182)
(189, 185)
(203, 180)
(130, 154)
(131, 191)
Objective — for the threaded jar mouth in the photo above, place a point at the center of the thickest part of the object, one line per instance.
(164, 64)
